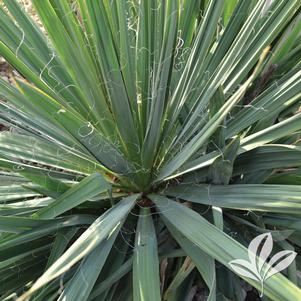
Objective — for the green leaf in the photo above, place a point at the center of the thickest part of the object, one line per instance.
(86, 189)
(204, 263)
(220, 172)
(18, 224)
(219, 245)
(146, 263)
(113, 278)
(98, 21)
(61, 241)
(46, 228)
(273, 198)
(228, 10)
(182, 274)
(77, 61)
(190, 148)
(161, 77)
(100, 230)
(86, 275)
(271, 133)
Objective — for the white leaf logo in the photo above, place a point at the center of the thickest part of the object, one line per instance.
(258, 267)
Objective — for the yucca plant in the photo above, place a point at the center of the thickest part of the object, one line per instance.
(147, 143)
